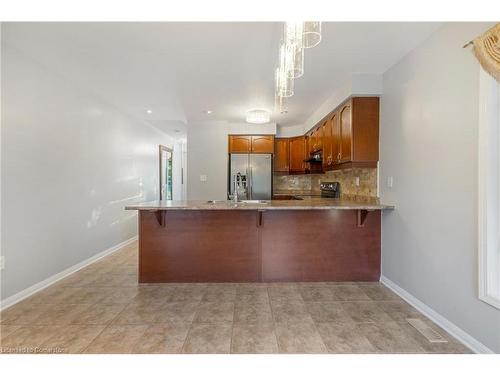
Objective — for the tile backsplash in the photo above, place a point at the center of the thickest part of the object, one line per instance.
(309, 184)
(296, 184)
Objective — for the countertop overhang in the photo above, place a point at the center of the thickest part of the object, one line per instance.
(305, 204)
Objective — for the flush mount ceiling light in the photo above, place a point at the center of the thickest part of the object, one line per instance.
(258, 116)
(148, 111)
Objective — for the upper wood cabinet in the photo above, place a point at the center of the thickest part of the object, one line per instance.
(245, 144)
(298, 153)
(240, 143)
(310, 143)
(335, 140)
(349, 136)
(345, 134)
(317, 139)
(263, 144)
(327, 144)
(281, 155)
(359, 132)
(365, 130)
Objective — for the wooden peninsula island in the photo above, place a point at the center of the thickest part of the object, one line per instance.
(317, 239)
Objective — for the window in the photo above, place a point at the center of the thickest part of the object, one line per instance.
(489, 190)
(166, 169)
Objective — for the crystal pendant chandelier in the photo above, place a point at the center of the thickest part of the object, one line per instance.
(284, 83)
(311, 34)
(296, 37)
(293, 39)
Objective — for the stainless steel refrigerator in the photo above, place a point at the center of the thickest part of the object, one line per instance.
(255, 170)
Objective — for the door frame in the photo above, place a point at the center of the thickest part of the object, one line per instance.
(166, 149)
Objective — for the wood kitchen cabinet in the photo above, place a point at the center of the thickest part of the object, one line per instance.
(262, 144)
(298, 153)
(359, 133)
(240, 144)
(348, 137)
(310, 143)
(351, 135)
(327, 144)
(317, 139)
(345, 134)
(335, 140)
(281, 155)
(245, 144)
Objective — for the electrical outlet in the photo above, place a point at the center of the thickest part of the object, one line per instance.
(356, 181)
(2, 262)
(390, 180)
(203, 177)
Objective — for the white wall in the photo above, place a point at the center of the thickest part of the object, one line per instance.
(208, 155)
(70, 163)
(356, 85)
(429, 135)
(179, 168)
(290, 131)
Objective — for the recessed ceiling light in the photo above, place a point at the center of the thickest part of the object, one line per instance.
(208, 111)
(148, 111)
(258, 116)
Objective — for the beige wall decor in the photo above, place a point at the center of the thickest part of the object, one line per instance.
(487, 51)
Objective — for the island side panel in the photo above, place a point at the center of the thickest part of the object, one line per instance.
(320, 245)
(199, 246)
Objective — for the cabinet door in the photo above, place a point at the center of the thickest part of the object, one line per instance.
(239, 143)
(327, 144)
(319, 138)
(314, 139)
(297, 154)
(335, 126)
(281, 156)
(310, 143)
(263, 144)
(345, 134)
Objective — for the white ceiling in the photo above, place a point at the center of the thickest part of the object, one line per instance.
(179, 70)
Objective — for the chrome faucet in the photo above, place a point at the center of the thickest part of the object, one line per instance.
(238, 186)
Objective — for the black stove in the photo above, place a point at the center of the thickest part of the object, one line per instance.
(330, 189)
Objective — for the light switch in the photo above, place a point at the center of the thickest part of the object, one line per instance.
(203, 177)
(356, 181)
(389, 181)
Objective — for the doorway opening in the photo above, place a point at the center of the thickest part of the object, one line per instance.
(166, 176)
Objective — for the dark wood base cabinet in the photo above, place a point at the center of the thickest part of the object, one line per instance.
(254, 246)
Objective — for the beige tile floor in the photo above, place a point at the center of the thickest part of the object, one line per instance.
(102, 309)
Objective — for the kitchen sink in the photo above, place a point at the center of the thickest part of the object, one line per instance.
(245, 201)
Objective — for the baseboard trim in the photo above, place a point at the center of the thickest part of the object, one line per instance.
(18, 297)
(452, 329)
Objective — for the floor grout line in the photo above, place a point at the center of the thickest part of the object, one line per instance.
(232, 330)
(274, 321)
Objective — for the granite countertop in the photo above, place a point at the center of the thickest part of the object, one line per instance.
(311, 203)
